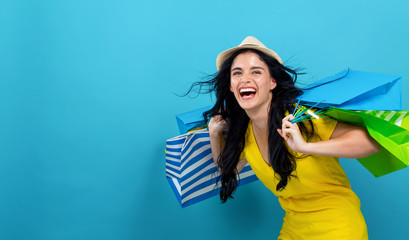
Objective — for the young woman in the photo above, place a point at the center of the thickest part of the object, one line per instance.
(297, 162)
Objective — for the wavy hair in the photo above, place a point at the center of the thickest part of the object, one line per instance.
(280, 159)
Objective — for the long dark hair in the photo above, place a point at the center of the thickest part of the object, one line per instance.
(280, 159)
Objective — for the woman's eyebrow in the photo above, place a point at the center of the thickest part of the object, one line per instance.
(256, 67)
(252, 68)
(236, 68)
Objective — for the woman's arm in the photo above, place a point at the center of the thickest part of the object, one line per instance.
(216, 126)
(347, 141)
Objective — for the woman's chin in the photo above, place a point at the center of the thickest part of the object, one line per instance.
(247, 105)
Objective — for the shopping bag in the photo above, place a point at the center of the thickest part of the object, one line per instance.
(191, 120)
(389, 128)
(190, 169)
(355, 90)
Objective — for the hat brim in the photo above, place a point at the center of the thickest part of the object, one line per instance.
(223, 56)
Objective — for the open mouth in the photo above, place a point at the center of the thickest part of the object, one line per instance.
(247, 92)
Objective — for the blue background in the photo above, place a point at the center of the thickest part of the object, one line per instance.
(87, 102)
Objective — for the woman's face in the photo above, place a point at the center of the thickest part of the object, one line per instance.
(251, 82)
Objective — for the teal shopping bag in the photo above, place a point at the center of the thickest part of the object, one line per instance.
(355, 90)
(190, 120)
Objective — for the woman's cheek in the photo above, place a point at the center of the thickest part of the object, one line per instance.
(233, 85)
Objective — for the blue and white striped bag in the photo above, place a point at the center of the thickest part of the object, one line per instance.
(190, 169)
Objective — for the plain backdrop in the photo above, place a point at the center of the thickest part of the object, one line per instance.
(88, 99)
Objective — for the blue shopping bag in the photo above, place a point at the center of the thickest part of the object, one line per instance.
(188, 121)
(355, 90)
(190, 169)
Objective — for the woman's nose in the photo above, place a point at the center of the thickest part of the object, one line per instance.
(245, 78)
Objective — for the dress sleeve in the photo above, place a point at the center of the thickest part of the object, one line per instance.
(243, 154)
(324, 127)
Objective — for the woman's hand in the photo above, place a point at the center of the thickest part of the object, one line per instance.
(292, 135)
(347, 141)
(217, 125)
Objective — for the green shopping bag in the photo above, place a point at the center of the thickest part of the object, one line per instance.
(389, 128)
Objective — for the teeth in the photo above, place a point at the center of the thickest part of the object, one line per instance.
(247, 90)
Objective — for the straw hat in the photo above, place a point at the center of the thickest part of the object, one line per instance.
(248, 42)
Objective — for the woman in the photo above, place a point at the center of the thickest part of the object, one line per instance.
(297, 162)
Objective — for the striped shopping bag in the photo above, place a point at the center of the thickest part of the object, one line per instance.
(394, 117)
(190, 169)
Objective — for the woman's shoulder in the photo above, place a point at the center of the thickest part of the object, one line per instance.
(324, 127)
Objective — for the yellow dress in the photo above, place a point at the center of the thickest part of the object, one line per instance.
(319, 202)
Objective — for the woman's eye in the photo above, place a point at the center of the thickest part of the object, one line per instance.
(256, 72)
(236, 73)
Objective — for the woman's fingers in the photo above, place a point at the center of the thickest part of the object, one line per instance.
(217, 120)
(291, 134)
(288, 117)
(282, 134)
(286, 124)
(287, 128)
(288, 131)
(217, 124)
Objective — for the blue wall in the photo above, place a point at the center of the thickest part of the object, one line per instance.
(87, 101)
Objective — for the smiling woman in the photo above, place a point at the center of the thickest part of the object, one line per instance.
(298, 163)
(251, 82)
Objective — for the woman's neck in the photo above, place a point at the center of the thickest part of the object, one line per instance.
(259, 121)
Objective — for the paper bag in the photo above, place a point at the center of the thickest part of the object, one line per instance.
(190, 169)
(390, 129)
(191, 120)
(355, 90)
